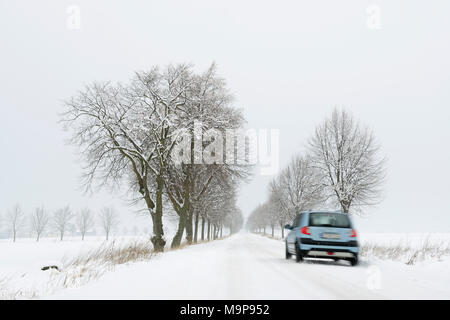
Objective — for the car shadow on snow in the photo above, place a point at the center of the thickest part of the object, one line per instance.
(328, 262)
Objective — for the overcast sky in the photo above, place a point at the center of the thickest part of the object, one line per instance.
(287, 62)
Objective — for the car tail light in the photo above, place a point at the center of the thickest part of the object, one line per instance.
(305, 230)
(353, 233)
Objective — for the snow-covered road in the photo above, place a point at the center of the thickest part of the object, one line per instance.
(247, 266)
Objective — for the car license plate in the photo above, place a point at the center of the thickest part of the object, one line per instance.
(330, 235)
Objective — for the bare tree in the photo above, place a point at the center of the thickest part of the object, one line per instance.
(234, 219)
(126, 132)
(258, 220)
(210, 104)
(279, 200)
(61, 220)
(39, 221)
(85, 221)
(270, 213)
(301, 183)
(295, 189)
(16, 220)
(347, 157)
(108, 220)
(130, 131)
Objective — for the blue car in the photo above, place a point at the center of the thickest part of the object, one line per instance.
(319, 234)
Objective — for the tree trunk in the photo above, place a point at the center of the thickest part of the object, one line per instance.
(221, 234)
(282, 230)
(345, 206)
(182, 213)
(189, 187)
(272, 226)
(176, 241)
(196, 227)
(209, 229)
(203, 228)
(189, 223)
(158, 232)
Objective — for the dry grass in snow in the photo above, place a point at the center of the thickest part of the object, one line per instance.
(406, 252)
(76, 271)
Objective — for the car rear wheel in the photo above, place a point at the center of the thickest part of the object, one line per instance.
(354, 261)
(288, 255)
(298, 253)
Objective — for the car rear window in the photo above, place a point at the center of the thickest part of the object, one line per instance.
(325, 219)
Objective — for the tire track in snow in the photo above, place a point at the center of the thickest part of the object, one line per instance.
(302, 280)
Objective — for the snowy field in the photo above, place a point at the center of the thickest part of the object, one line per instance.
(21, 262)
(26, 255)
(244, 266)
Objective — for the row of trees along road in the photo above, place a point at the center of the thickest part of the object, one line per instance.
(342, 168)
(40, 221)
(127, 132)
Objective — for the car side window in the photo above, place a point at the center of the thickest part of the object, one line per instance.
(296, 223)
